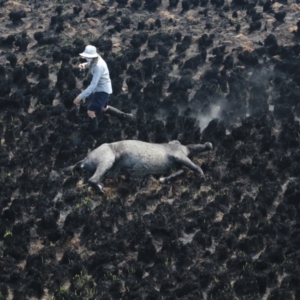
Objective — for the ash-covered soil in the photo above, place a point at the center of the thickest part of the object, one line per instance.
(222, 71)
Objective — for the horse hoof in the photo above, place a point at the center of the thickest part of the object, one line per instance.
(100, 188)
(67, 170)
(130, 118)
(162, 180)
(208, 145)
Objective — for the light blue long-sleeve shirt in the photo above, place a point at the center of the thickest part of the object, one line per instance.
(101, 81)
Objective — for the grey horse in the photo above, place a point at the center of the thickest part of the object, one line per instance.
(138, 159)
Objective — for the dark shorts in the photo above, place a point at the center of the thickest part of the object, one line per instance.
(98, 102)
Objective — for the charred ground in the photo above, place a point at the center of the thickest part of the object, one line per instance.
(227, 72)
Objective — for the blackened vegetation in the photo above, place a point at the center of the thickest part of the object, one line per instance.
(17, 16)
(236, 236)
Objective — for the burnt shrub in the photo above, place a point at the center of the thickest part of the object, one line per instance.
(73, 221)
(219, 54)
(77, 10)
(152, 4)
(65, 76)
(205, 40)
(256, 25)
(195, 3)
(252, 244)
(148, 66)
(103, 45)
(256, 16)
(248, 58)
(194, 61)
(12, 60)
(126, 21)
(240, 133)
(58, 9)
(22, 42)
(160, 39)
(280, 293)
(267, 194)
(8, 41)
(43, 71)
(56, 55)
(68, 97)
(122, 2)
(240, 2)
(279, 16)
(3, 291)
(283, 111)
(228, 62)
(96, 13)
(147, 252)
(185, 44)
(246, 286)
(270, 40)
(183, 84)
(5, 87)
(267, 6)
(186, 289)
(19, 75)
(49, 219)
(163, 50)
(139, 39)
(38, 36)
(132, 54)
(48, 40)
(173, 3)
(178, 36)
(217, 3)
(136, 4)
(185, 5)
(17, 16)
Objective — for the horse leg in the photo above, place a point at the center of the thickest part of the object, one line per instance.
(70, 169)
(185, 161)
(172, 176)
(102, 168)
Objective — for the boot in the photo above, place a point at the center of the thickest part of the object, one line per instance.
(93, 125)
(119, 114)
(99, 117)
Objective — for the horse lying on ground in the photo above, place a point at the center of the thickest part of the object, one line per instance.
(137, 159)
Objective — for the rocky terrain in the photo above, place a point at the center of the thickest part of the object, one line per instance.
(223, 71)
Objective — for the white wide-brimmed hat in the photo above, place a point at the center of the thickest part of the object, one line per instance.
(89, 52)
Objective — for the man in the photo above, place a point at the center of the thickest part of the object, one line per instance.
(100, 87)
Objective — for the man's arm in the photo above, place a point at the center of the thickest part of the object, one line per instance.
(96, 76)
(83, 65)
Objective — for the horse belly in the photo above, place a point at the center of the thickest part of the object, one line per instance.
(146, 163)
